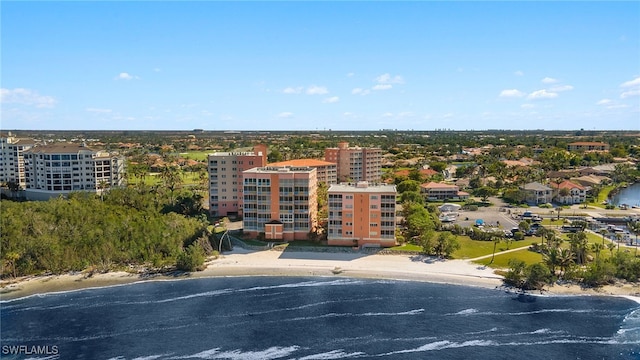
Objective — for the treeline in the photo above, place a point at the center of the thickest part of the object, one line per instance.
(128, 226)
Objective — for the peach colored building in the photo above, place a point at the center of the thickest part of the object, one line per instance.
(588, 146)
(225, 178)
(362, 214)
(355, 163)
(280, 202)
(327, 172)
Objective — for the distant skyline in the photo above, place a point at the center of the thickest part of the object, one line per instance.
(422, 65)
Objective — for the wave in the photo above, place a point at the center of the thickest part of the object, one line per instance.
(334, 354)
(330, 315)
(533, 312)
(274, 352)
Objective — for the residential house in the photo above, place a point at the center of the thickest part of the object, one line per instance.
(442, 191)
(588, 146)
(576, 194)
(537, 193)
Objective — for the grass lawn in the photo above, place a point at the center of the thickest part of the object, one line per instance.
(407, 247)
(197, 155)
(502, 261)
(470, 249)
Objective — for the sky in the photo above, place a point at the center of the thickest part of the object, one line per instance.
(319, 65)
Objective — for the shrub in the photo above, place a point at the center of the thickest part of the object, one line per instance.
(191, 259)
(518, 235)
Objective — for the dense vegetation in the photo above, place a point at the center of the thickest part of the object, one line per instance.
(126, 227)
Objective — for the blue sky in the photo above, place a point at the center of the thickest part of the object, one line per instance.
(320, 65)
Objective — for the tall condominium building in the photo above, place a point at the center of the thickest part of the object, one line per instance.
(280, 202)
(12, 159)
(355, 163)
(225, 178)
(362, 214)
(327, 171)
(52, 170)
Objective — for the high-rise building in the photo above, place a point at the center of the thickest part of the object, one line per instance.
(12, 159)
(225, 178)
(362, 214)
(57, 169)
(280, 202)
(355, 163)
(327, 171)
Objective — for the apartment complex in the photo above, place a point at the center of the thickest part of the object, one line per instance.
(280, 202)
(12, 159)
(225, 178)
(362, 214)
(588, 146)
(327, 172)
(355, 163)
(57, 169)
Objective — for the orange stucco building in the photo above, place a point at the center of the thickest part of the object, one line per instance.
(362, 214)
(225, 178)
(355, 163)
(280, 202)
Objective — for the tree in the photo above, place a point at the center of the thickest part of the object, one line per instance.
(579, 246)
(446, 244)
(551, 259)
(408, 185)
(537, 275)
(102, 186)
(191, 258)
(485, 192)
(565, 259)
(496, 238)
(558, 210)
(411, 196)
(11, 258)
(597, 248)
(603, 232)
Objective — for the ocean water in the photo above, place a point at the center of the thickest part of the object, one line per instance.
(316, 318)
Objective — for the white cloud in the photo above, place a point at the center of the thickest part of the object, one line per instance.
(317, 90)
(285, 115)
(26, 97)
(518, 73)
(387, 115)
(388, 79)
(382, 87)
(292, 90)
(360, 91)
(527, 106)
(405, 114)
(350, 74)
(631, 83)
(97, 110)
(542, 94)
(549, 80)
(347, 113)
(330, 100)
(560, 88)
(157, 70)
(447, 116)
(126, 76)
(630, 93)
(511, 93)
(604, 102)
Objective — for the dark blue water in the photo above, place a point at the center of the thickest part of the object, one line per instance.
(629, 195)
(318, 318)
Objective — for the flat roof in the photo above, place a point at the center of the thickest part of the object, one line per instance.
(362, 189)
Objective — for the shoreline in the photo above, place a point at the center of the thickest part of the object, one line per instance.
(242, 262)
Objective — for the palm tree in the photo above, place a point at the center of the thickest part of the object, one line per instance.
(558, 209)
(565, 258)
(496, 238)
(611, 246)
(579, 246)
(603, 232)
(597, 248)
(551, 258)
(634, 226)
(102, 186)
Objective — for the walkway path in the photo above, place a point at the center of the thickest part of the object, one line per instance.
(498, 253)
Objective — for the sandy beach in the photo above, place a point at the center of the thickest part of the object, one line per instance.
(242, 262)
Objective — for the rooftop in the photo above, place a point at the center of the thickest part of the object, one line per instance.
(362, 188)
(303, 163)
